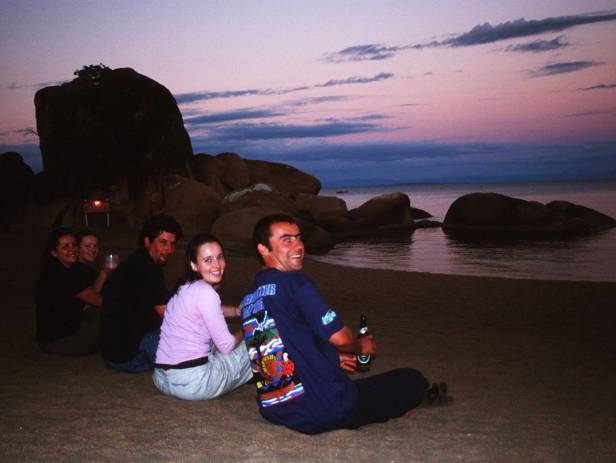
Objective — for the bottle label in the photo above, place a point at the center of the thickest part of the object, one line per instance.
(364, 359)
(363, 330)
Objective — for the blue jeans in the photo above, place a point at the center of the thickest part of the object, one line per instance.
(144, 359)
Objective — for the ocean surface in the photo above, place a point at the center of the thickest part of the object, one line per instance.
(590, 257)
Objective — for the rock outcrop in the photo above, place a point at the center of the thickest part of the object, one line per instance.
(224, 173)
(118, 135)
(282, 177)
(384, 213)
(235, 228)
(16, 179)
(493, 212)
(118, 127)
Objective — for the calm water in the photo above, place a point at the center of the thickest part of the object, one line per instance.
(591, 258)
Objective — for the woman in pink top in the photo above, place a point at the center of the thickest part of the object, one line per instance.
(197, 357)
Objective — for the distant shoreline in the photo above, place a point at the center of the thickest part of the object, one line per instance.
(462, 183)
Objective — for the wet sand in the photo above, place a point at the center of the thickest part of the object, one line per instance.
(530, 365)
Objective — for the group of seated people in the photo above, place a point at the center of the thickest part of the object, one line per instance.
(68, 293)
(292, 344)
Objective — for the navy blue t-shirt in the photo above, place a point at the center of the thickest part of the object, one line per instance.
(287, 326)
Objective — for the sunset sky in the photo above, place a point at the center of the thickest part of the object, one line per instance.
(354, 92)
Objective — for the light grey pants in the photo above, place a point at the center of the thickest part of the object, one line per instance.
(221, 374)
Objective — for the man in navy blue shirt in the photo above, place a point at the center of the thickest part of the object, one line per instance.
(299, 347)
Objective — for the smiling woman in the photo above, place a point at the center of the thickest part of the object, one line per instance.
(198, 358)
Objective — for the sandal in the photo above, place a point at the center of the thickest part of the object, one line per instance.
(437, 395)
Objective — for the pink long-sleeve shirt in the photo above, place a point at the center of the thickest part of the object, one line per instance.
(193, 318)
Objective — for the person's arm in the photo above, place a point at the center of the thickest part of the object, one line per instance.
(100, 280)
(230, 311)
(239, 337)
(346, 342)
(160, 310)
(213, 313)
(89, 296)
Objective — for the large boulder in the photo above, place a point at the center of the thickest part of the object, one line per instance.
(282, 177)
(16, 179)
(235, 228)
(386, 212)
(224, 173)
(493, 212)
(259, 195)
(322, 208)
(119, 126)
(194, 205)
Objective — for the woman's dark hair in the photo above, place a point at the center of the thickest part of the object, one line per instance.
(52, 241)
(50, 245)
(192, 248)
(81, 234)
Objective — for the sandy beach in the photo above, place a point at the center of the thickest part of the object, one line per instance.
(530, 365)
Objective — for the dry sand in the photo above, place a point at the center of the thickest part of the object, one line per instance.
(529, 363)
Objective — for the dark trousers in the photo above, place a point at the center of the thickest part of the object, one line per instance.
(389, 395)
(83, 342)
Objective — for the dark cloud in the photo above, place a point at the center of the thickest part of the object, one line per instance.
(598, 87)
(479, 35)
(191, 97)
(318, 100)
(25, 131)
(367, 52)
(371, 117)
(16, 86)
(486, 33)
(232, 116)
(356, 80)
(563, 68)
(379, 163)
(592, 113)
(242, 132)
(538, 46)
(183, 98)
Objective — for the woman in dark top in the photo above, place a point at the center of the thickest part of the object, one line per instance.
(88, 248)
(67, 308)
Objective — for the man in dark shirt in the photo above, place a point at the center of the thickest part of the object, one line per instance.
(134, 299)
(299, 346)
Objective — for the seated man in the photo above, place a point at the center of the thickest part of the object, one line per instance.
(134, 299)
(298, 347)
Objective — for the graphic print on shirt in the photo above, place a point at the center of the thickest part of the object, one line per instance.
(273, 370)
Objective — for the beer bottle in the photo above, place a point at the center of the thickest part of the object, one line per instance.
(363, 361)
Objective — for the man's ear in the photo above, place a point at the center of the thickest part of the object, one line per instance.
(146, 242)
(262, 249)
(54, 253)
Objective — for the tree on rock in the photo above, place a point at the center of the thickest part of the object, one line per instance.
(93, 72)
